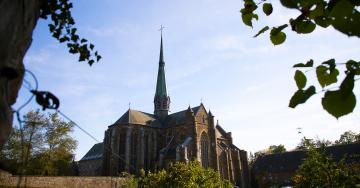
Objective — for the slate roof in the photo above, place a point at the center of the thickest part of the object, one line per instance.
(137, 117)
(179, 117)
(221, 131)
(96, 152)
(142, 118)
(290, 161)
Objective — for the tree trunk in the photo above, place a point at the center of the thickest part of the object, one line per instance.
(17, 22)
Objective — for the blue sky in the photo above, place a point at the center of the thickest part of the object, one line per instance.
(210, 56)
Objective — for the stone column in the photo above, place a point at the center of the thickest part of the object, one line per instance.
(127, 148)
(155, 144)
(228, 164)
(153, 160)
(231, 168)
(196, 143)
(114, 150)
(142, 150)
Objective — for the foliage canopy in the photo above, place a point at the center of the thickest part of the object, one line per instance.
(42, 147)
(320, 170)
(190, 175)
(344, 16)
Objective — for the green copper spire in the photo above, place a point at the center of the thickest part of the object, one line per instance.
(161, 82)
(161, 99)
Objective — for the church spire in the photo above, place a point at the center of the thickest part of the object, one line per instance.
(161, 57)
(161, 82)
(161, 99)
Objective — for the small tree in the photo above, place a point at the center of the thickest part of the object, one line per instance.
(306, 143)
(277, 149)
(320, 170)
(348, 137)
(42, 147)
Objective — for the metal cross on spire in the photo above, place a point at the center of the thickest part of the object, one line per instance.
(161, 28)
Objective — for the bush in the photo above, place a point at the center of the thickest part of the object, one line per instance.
(182, 175)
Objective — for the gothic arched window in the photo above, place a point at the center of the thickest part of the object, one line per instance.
(204, 144)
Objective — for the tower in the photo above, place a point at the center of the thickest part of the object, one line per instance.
(161, 99)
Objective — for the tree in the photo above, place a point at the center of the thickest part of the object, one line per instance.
(320, 170)
(182, 175)
(277, 149)
(24, 143)
(348, 137)
(42, 147)
(306, 143)
(344, 16)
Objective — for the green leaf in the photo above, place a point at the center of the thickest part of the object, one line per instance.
(306, 4)
(247, 18)
(98, 57)
(73, 31)
(290, 3)
(330, 63)
(91, 62)
(325, 77)
(301, 96)
(83, 40)
(51, 27)
(304, 26)
(278, 38)
(262, 31)
(347, 85)
(353, 66)
(61, 40)
(300, 79)
(267, 8)
(346, 18)
(336, 105)
(75, 38)
(323, 21)
(310, 63)
(319, 11)
(91, 46)
(280, 28)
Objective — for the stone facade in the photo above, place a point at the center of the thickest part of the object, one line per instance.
(139, 140)
(91, 163)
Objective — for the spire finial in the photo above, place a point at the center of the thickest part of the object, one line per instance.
(161, 29)
(161, 59)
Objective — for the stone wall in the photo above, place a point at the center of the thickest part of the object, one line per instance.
(62, 181)
(90, 167)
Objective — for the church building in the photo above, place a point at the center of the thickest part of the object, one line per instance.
(152, 141)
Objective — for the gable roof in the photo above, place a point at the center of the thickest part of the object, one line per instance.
(137, 117)
(96, 152)
(179, 117)
(142, 118)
